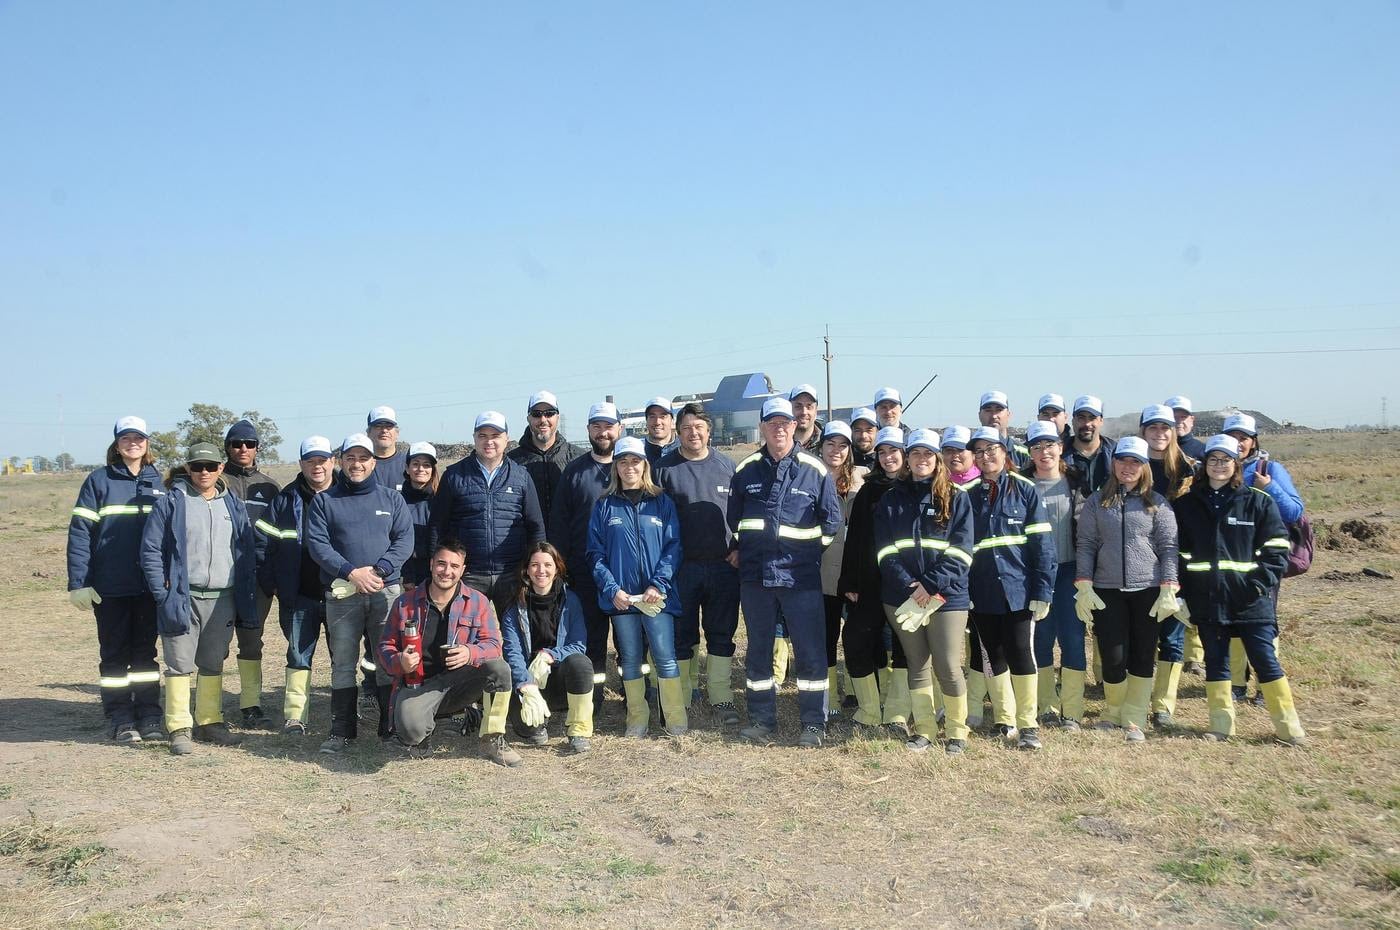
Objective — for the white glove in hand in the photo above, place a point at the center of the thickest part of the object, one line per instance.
(1166, 606)
(1183, 613)
(650, 609)
(340, 588)
(533, 709)
(539, 670)
(1086, 601)
(84, 598)
(911, 622)
(1039, 610)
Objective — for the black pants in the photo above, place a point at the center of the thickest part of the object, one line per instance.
(864, 637)
(834, 606)
(598, 628)
(498, 588)
(1002, 642)
(126, 646)
(1126, 635)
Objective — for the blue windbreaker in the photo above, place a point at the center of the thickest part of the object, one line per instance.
(632, 547)
(1013, 558)
(913, 544)
(104, 534)
(784, 514)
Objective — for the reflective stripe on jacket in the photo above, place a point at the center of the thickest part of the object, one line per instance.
(784, 513)
(916, 544)
(1231, 560)
(104, 532)
(1013, 557)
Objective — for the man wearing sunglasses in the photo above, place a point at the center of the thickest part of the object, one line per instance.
(543, 450)
(256, 490)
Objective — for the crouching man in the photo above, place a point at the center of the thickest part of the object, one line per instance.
(458, 662)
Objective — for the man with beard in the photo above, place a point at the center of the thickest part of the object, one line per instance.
(1090, 452)
(543, 450)
(864, 427)
(581, 484)
(806, 428)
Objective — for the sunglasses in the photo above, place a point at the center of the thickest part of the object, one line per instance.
(203, 466)
(243, 444)
(541, 414)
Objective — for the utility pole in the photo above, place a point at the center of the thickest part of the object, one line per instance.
(826, 356)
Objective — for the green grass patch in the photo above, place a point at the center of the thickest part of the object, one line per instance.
(623, 867)
(1318, 855)
(1207, 865)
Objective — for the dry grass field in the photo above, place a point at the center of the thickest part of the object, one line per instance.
(703, 831)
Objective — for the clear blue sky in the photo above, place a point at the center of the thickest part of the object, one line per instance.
(312, 208)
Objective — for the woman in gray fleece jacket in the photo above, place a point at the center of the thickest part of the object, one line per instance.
(1126, 556)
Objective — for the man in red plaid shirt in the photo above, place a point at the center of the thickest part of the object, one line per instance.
(461, 658)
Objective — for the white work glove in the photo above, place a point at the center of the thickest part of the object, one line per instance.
(1039, 610)
(1166, 606)
(1086, 602)
(649, 608)
(539, 669)
(1183, 613)
(916, 620)
(340, 588)
(533, 709)
(84, 598)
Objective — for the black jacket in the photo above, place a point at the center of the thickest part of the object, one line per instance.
(545, 466)
(860, 572)
(1232, 557)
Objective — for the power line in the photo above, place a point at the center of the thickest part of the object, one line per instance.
(1064, 355)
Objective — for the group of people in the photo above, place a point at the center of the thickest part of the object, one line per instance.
(948, 567)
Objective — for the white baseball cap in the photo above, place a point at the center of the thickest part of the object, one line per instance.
(1242, 422)
(955, 437)
(987, 434)
(864, 413)
(1179, 402)
(1131, 447)
(1051, 400)
(382, 413)
(923, 439)
(1090, 403)
(542, 397)
(887, 393)
(313, 447)
(130, 425)
(629, 445)
(1040, 430)
(1222, 443)
(776, 407)
(802, 389)
(836, 428)
(603, 410)
(1156, 413)
(993, 397)
(423, 448)
(490, 418)
(662, 402)
(356, 441)
(890, 436)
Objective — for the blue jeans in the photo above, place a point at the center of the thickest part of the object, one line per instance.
(1258, 640)
(1171, 641)
(1061, 625)
(709, 596)
(660, 636)
(805, 618)
(301, 619)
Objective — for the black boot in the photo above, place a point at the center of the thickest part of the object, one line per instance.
(344, 712)
(386, 717)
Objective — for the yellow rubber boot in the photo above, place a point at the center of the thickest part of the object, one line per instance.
(1222, 709)
(687, 677)
(638, 712)
(833, 688)
(1164, 687)
(1071, 694)
(955, 716)
(1097, 663)
(717, 671)
(882, 679)
(925, 722)
(898, 707)
(1137, 694)
(177, 703)
(208, 699)
(249, 683)
(1047, 699)
(1024, 689)
(782, 654)
(938, 700)
(1239, 664)
(650, 670)
(1003, 697)
(298, 691)
(1113, 703)
(1278, 697)
(673, 701)
(976, 697)
(579, 722)
(1195, 652)
(868, 697)
(495, 706)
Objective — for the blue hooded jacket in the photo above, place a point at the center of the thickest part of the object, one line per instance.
(633, 546)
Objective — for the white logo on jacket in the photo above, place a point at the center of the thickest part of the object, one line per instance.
(1236, 521)
(382, 513)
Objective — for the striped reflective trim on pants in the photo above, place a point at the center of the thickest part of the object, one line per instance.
(764, 685)
(600, 678)
(144, 678)
(114, 682)
(811, 684)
